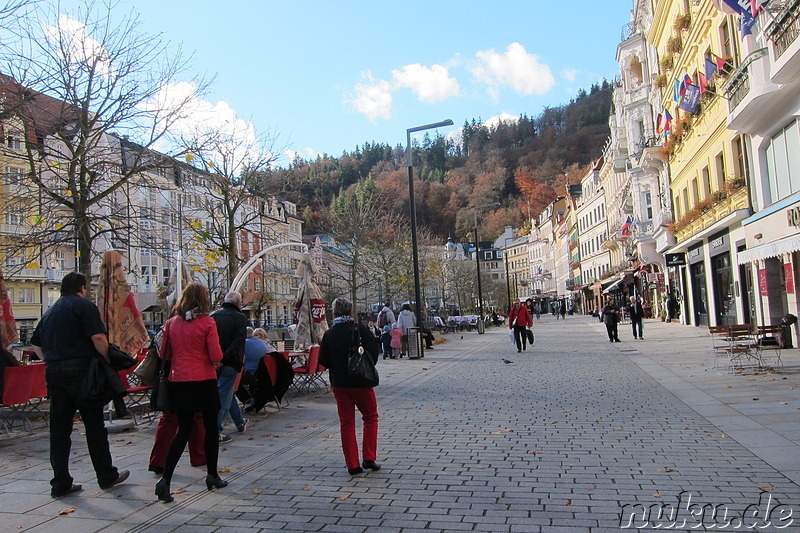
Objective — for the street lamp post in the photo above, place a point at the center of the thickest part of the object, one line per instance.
(413, 213)
(508, 286)
(478, 259)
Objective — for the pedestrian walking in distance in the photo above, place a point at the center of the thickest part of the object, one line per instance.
(636, 312)
(333, 355)
(519, 320)
(610, 316)
(232, 332)
(68, 337)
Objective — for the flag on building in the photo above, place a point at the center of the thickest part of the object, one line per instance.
(667, 121)
(719, 61)
(676, 90)
(686, 80)
(690, 98)
(660, 124)
(702, 82)
(626, 227)
(711, 68)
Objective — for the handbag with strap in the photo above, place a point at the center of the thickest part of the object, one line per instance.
(360, 366)
(159, 398)
(147, 371)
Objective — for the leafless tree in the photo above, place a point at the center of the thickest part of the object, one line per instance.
(231, 160)
(83, 84)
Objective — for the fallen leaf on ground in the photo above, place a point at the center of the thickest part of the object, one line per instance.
(256, 491)
(330, 436)
(656, 495)
(768, 488)
(569, 503)
(431, 410)
(308, 487)
(68, 510)
(535, 452)
(224, 470)
(784, 403)
(344, 497)
(567, 410)
(179, 491)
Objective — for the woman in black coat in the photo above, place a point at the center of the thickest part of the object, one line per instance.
(333, 354)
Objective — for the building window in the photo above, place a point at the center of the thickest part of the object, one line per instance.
(27, 296)
(783, 164)
(738, 154)
(15, 140)
(648, 205)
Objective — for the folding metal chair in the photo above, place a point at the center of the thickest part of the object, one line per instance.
(17, 385)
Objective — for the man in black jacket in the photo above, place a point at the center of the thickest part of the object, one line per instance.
(636, 312)
(69, 336)
(232, 331)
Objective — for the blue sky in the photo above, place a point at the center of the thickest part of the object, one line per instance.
(327, 76)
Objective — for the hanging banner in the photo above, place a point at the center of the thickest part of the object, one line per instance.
(788, 271)
(762, 281)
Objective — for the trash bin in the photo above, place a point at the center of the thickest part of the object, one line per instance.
(786, 330)
(481, 326)
(415, 346)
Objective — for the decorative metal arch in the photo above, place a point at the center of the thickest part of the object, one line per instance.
(253, 262)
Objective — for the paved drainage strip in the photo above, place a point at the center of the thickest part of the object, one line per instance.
(175, 507)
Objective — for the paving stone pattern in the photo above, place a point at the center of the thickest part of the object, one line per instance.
(558, 440)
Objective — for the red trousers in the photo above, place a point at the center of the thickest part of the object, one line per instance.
(165, 431)
(347, 399)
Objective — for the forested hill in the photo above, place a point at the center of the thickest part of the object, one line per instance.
(522, 164)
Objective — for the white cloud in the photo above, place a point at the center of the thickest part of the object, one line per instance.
(239, 142)
(372, 98)
(430, 84)
(516, 68)
(73, 37)
(497, 119)
(569, 74)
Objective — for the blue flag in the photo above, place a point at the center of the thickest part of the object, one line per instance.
(711, 68)
(690, 98)
(676, 90)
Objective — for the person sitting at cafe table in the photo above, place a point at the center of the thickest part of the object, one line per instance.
(254, 350)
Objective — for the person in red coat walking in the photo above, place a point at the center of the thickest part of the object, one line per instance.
(519, 319)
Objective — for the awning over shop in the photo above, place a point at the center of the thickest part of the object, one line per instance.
(612, 286)
(595, 286)
(786, 245)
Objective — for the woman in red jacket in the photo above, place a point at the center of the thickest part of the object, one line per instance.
(520, 319)
(191, 345)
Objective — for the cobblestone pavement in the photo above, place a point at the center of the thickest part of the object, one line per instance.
(577, 434)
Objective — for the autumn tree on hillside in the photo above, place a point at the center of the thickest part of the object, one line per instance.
(82, 84)
(534, 188)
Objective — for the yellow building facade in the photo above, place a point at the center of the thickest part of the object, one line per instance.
(707, 162)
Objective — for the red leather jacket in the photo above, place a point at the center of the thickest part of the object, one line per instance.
(193, 348)
(521, 314)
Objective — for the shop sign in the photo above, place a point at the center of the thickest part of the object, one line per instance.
(787, 269)
(676, 259)
(762, 281)
(694, 253)
(716, 243)
(793, 216)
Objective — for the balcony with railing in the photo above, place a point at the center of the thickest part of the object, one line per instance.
(752, 95)
(783, 31)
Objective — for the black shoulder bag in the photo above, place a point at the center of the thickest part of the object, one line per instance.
(360, 367)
